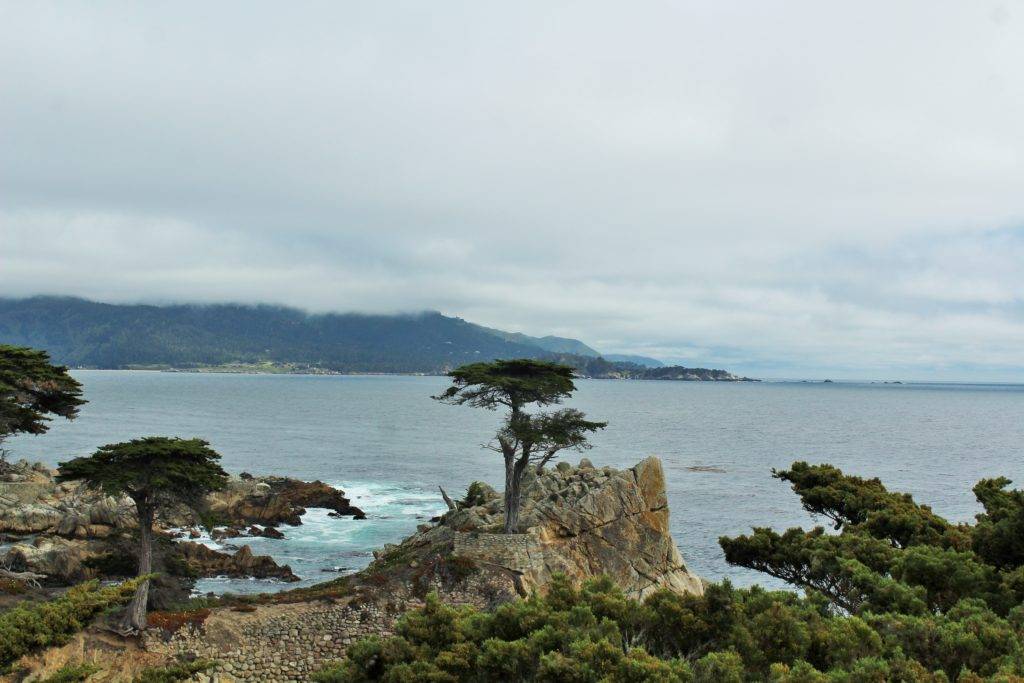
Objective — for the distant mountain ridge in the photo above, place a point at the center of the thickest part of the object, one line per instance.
(645, 361)
(548, 343)
(89, 334)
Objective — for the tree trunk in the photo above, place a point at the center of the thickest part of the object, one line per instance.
(514, 470)
(511, 497)
(135, 619)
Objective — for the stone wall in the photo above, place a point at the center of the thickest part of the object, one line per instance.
(276, 642)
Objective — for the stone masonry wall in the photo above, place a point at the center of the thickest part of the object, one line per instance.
(275, 643)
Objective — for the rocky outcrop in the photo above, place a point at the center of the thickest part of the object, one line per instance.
(271, 501)
(581, 522)
(31, 502)
(65, 561)
(58, 559)
(314, 494)
(203, 561)
(70, 533)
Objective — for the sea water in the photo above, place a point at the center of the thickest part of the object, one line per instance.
(389, 446)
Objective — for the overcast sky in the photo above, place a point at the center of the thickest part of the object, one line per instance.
(782, 188)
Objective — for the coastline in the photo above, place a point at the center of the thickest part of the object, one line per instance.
(312, 372)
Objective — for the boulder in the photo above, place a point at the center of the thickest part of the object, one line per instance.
(314, 494)
(61, 560)
(203, 561)
(275, 500)
(29, 518)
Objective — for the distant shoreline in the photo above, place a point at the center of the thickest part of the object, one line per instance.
(767, 380)
(314, 372)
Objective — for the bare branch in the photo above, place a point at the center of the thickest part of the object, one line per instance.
(30, 578)
(447, 499)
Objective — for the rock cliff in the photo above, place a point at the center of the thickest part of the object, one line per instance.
(581, 522)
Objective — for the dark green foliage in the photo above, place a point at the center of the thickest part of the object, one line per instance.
(476, 494)
(112, 564)
(72, 673)
(32, 389)
(174, 673)
(546, 434)
(29, 627)
(154, 472)
(728, 634)
(159, 469)
(892, 554)
(853, 501)
(89, 334)
(509, 383)
(564, 638)
(898, 594)
(524, 439)
(999, 534)
(85, 333)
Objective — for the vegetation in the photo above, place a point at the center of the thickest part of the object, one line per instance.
(154, 472)
(32, 389)
(523, 439)
(893, 593)
(72, 673)
(85, 333)
(235, 338)
(174, 673)
(33, 626)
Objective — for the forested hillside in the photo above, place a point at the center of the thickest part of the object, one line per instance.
(88, 334)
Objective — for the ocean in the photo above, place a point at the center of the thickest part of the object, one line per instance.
(388, 446)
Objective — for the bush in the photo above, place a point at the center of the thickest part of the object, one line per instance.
(173, 673)
(899, 594)
(30, 627)
(719, 667)
(72, 673)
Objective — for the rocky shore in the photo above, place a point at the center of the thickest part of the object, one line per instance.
(580, 522)
(66, 534)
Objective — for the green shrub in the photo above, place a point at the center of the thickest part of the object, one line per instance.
(173, 673)
(72, 673)
(34, 626)
(718, 667)
(332, 673)
(898, 594)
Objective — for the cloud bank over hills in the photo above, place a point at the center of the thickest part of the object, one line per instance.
(805, 190)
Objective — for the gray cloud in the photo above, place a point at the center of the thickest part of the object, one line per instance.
(787, 189)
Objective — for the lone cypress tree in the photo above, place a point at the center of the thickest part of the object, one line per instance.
(154, 472)
(32, 389)
(524, 438)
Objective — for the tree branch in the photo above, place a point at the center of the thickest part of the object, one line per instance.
(447, 499)
(30, 578)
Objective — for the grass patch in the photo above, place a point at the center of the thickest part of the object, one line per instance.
(329, 590)
(72, 673)
(173, 673)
